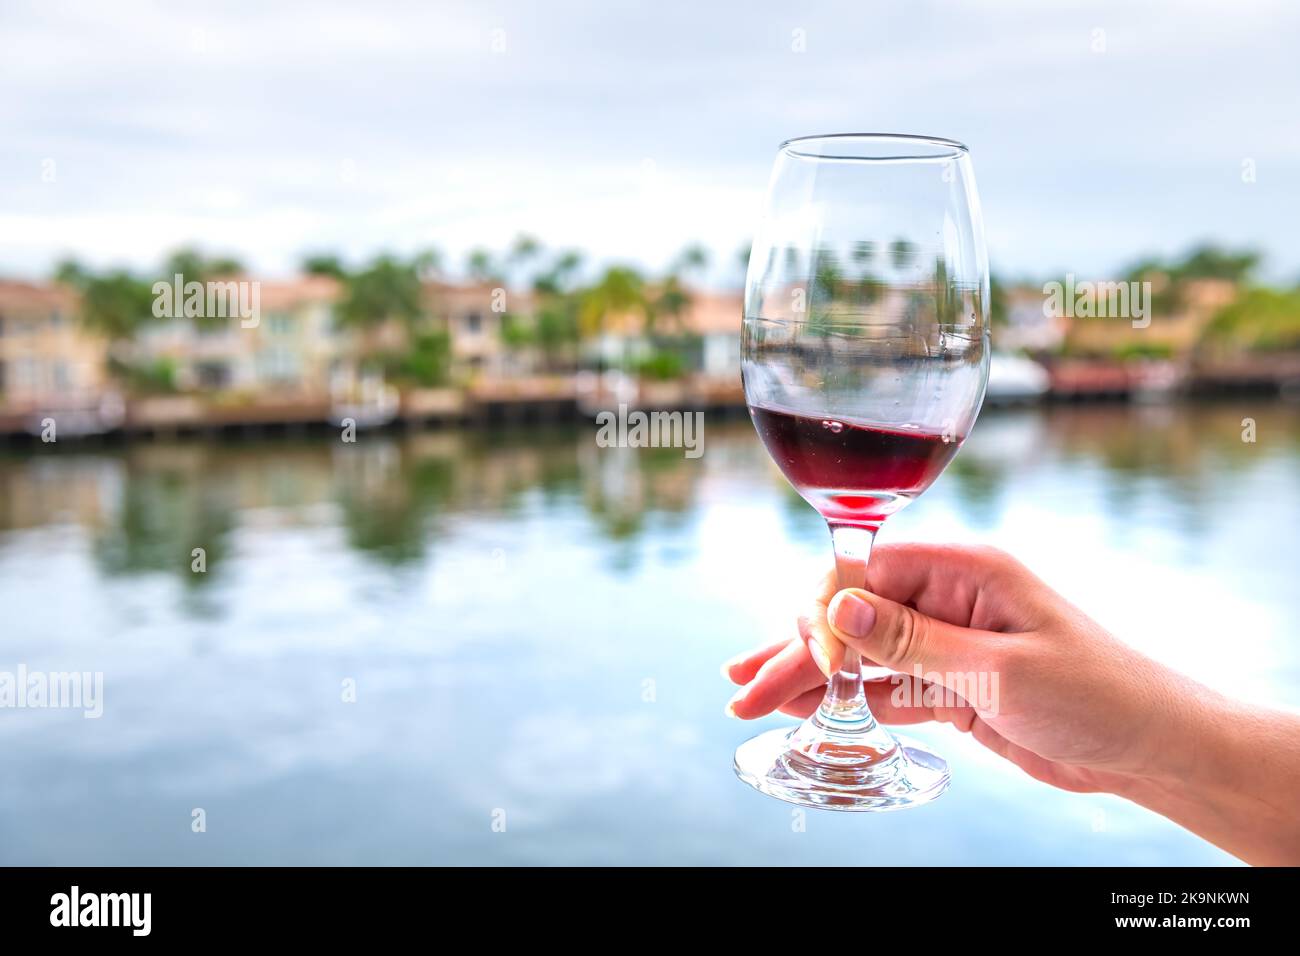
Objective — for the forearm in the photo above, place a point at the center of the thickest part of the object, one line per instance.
(1234, 781)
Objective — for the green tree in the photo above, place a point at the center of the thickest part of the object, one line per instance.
(1204, 261)
(524, 250)
(557, 279)
(558, 303)
(1208, 261)
(619, 294)
(323, 264)
(71, 272)
(386, 289)
(863, 254)
(556, 328)
(429, 262)
(671, 300)
(389, 290)
(902, 253)
(195, 266)
(515, 332)
(425, 362)
(694, 259)
(116, 304)
(480, 266)
(997, 302)
(1260, 320)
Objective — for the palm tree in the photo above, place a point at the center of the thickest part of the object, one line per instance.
(523, 250)
(195, 266)
(863, 253)
(481, 267)
(693, 259)
(672, 300)
(71, 272)
(556, 324)
(323, 264)
(557, 279)
(116, 305)
(619, 294)
(386, 290)
(428, 263)
(568, 262)
(902, 253)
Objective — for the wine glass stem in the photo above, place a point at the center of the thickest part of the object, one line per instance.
(845, 702)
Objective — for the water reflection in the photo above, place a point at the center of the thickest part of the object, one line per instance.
(535, 623)
(145, 506)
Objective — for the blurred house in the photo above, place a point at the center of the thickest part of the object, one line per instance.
(49, 362)
(298, 347)
(475, 345)
(1177, 319)
(291, 351)
(690, 358)
(715, 317)
(478, 320)
(1029, 326)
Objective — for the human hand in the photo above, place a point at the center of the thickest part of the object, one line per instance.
(1071, 705)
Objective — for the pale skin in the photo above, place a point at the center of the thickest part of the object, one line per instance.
(1076, 707)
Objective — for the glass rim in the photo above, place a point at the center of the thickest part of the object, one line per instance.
(855, 325)
(890, 147)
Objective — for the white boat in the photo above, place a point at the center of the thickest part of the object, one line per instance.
(1014, 379)
(372, 404)
(78, 416)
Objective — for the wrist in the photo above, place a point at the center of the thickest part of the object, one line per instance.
(1227, 772)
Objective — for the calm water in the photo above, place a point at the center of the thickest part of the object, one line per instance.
(533, 628)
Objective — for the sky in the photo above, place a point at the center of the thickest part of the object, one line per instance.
(1099, 132)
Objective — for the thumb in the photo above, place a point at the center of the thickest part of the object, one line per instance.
(900, 638)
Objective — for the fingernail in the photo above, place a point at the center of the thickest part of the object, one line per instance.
(852, 615)
(730, 710)
(725, 669)
(820, 657)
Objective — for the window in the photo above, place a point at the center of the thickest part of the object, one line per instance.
(213, 375)
(279, 365)
(26, 375)
(473, 323)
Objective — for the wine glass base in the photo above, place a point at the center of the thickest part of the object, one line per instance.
(911, 775)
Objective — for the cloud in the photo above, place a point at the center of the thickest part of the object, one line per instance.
(267, 130)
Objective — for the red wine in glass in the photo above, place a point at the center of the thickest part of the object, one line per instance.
(864, 357)
(851, 472)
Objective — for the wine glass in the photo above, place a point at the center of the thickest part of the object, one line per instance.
(865, 355)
